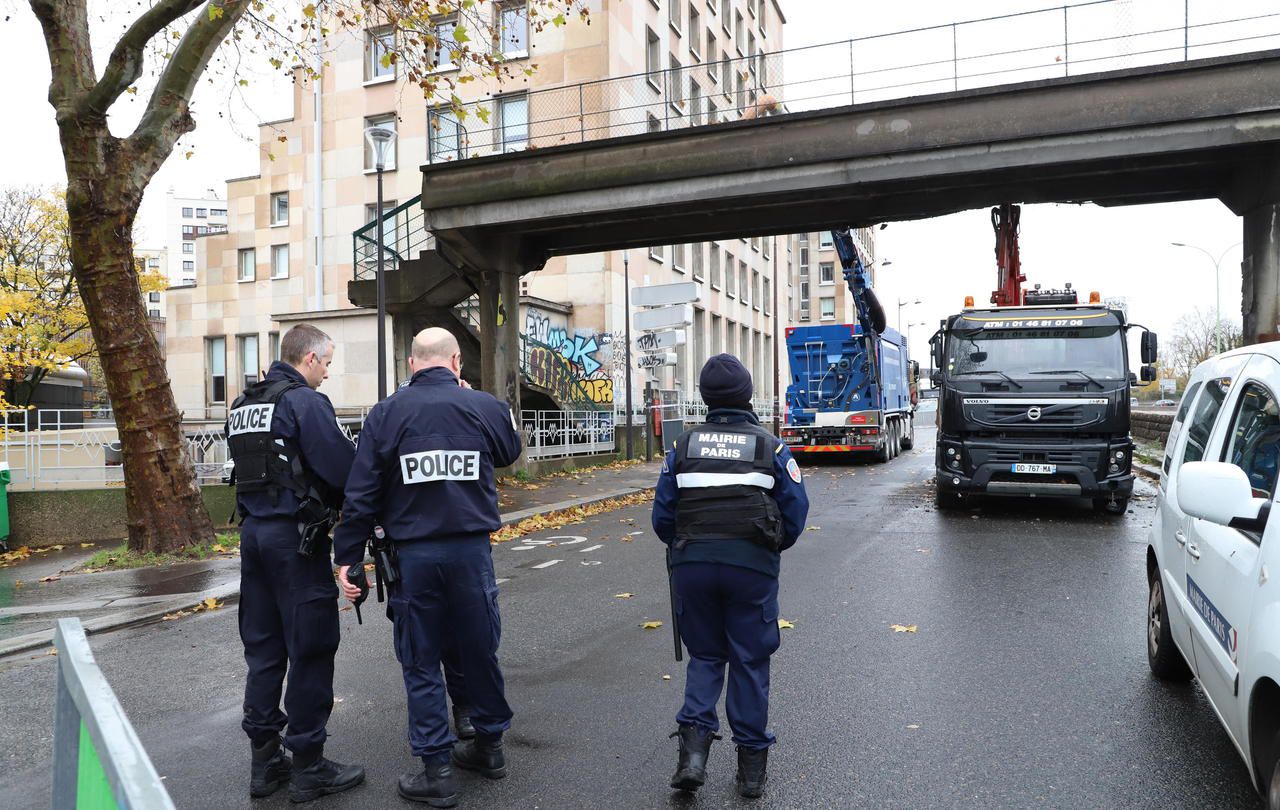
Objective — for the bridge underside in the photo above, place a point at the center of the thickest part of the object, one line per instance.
(1205, 129)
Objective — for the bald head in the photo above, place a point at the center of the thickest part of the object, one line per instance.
(435, 348)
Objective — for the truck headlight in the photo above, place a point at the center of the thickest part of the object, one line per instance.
(1115, 468)
(1119, 455)
(951, 451)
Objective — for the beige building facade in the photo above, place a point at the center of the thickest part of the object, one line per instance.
(287, 256)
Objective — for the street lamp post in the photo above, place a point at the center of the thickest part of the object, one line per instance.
(1217, 287)
(902, 304)
(626, 299)
(381, 140)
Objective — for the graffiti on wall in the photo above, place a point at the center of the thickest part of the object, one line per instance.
(574, 368)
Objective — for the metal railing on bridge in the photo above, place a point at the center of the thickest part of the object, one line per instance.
(1065, 40)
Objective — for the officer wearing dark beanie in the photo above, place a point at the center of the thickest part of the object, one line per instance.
(728, 502)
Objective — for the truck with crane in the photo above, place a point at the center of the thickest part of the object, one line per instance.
(852, 387)
(1034, 391)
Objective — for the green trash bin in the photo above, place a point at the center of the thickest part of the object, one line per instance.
(4, 505)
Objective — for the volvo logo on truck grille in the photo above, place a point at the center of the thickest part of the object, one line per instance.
(1033, 413)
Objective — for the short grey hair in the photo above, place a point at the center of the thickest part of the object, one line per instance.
(302, 340)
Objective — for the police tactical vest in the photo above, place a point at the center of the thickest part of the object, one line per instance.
(264, 462)
(725, 474)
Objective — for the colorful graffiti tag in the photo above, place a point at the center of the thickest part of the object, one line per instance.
(574, 368)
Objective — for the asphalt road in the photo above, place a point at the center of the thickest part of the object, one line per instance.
(1025, 685)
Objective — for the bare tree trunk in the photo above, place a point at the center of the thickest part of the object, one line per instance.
(165, 508)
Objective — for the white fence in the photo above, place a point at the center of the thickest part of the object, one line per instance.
(557, 434)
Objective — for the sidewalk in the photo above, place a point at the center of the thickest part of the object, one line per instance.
(37, 591)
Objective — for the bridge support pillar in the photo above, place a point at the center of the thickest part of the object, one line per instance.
(500, 336)
(1260, 273)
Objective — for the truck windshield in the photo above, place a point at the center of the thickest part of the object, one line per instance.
(1095, 351)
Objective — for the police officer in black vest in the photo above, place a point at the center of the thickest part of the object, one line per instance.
(728, 502)
(291, 464)
(424, 471)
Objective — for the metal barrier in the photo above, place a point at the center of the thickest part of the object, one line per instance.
(98, 760)
(557, 434)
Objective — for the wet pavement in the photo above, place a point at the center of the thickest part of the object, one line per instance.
(514, 496)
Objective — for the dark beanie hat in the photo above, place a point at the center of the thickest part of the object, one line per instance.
(725, 383)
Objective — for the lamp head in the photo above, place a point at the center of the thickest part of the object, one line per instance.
(381, 139)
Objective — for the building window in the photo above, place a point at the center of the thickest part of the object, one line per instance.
(370, 158)
(202, 229)
(675, 9)
(187, 212)
(442, 31)
(273, 346)
(513, 123)
(248, 350)
(826, 273)
(247, 267)
(216, 362)
(726, 76)
(737, 30)
(768, 297)
(724, 13)
(695, 103)
(154, 297)
(188, 231)
(755, 244)
(188, 247)
(217, 212)
(827, 308)
(743, 290)
(755, 288)
(730, 275)
(695, 32)
(279, 261)
(390, 225)
(280, 208)
(716, 278)
(711, 54)
(654, 124)
(804, 292)
(445, 135)
(202, 213)
(657, 253)
(767, 246)
(676, 83)
(696, 261)
(513, 30)
(677, 257)
(189, 266)
(379, 43)
(653, 59)
(153, 314)
(153, 262)
(825, 240)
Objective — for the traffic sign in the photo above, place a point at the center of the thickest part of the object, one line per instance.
(657, 360)
(661, 295)
(654, 341)
(669, 317)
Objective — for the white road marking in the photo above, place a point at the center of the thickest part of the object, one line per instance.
(590, 562)
(589, 548)
(501, 580)
(569, 539)
(546, 564)
(525, 548)
(537, 542)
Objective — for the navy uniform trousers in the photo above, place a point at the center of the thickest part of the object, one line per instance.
(447, 597)
(288, 620)
(728, 615)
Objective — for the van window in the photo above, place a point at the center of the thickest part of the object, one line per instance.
(1254, 442)
(1205, 413)
(1187, 399)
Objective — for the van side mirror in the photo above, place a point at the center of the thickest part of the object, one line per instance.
(1149, 345)
(1220, 493)
(1148, 374)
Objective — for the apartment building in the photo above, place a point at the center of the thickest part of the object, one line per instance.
(288, 256)
(821, 295)
(185, 220)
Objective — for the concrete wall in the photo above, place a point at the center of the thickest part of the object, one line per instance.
(87, 515)
(1152, 426)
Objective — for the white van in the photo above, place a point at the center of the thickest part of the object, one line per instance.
(1213, 557)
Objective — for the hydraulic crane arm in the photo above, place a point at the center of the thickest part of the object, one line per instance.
(866, 305)
(1009, 278)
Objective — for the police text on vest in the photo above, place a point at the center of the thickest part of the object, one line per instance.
(440, 465)
(250, 419)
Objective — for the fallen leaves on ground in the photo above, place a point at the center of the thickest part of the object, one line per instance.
(904, 628)
(623, 595)
(209, 603)
(815, 528)
(17, 555)
(50, 578)
(666, 677)
(783, 624)
(565, 517)
(86, 545)
(651, 625)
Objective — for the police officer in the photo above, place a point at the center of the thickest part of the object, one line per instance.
(728, 501)
(291, 464)
(424, 471)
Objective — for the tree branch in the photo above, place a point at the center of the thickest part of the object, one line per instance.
(66, 35)
(127, 58)
(168, 115)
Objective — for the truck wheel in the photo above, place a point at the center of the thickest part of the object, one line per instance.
(892, 429)
(909, 440)
(1117, 507)
(1163, 656)
(885, 453)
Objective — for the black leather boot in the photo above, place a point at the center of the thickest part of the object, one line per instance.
(462, 722)
(691, 767)
(314, 776)
(271, 768)
(483, 754)
(435, 785)
(751, 771)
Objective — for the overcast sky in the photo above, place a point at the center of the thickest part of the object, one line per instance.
(1119, 252)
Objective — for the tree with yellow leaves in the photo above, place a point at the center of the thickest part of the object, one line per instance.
(43, 324)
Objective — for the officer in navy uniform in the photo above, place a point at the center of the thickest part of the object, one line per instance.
(728, 501)
(424, 471)
(291, 464)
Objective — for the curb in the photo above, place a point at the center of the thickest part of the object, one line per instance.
(230, 592)
(1147, 471)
